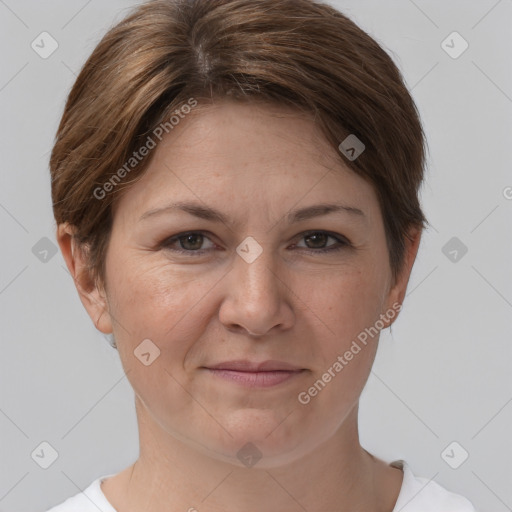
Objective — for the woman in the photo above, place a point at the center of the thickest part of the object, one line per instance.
(235, 185)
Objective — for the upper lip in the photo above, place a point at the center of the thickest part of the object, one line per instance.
(244, 365)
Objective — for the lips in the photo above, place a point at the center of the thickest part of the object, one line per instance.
(253, 374)
(252, 366)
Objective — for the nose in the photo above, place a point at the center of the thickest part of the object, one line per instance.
(256, 297)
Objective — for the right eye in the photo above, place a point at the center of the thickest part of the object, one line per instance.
(189, 243)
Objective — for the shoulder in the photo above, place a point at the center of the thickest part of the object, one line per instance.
(420, 494)
(91, 499)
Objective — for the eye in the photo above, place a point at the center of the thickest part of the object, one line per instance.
(319, 238)
(189, 243)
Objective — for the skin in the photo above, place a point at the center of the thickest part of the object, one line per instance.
(254, 163)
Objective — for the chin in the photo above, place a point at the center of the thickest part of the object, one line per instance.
(262, 439)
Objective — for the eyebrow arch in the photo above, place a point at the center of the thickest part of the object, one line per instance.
(207, 213)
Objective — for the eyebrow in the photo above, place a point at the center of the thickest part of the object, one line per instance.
(207, 213)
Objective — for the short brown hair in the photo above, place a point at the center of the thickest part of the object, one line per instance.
(301, 53)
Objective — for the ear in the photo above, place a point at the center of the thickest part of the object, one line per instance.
(398, 288)
(93, 297)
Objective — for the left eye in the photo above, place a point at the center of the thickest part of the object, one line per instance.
(192, 242)
(320, 238)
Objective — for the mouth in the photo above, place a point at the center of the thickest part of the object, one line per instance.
(256, 375)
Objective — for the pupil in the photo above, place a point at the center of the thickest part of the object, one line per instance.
(192, 237)
(316, 236)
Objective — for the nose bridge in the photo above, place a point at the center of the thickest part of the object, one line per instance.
(255, 271)
(253, 298)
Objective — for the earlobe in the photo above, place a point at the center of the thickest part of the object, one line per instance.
(91, 295)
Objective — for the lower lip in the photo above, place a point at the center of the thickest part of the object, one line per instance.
(256, 379)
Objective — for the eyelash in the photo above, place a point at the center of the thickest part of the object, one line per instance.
(342, 243)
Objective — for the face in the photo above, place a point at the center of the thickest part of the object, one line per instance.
(273, 280)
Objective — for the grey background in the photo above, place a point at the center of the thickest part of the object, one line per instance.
(443, 373)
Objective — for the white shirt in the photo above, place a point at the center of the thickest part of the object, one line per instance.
(417, 494)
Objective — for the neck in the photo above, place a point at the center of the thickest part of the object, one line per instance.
(338, 475)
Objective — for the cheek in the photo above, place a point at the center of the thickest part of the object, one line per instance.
(346, 304)
(154, 296)
(343, 361)
(345, 309)
(155, 303)
(170, 307)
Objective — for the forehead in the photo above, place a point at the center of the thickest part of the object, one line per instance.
(250, 132)
(248, 155)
